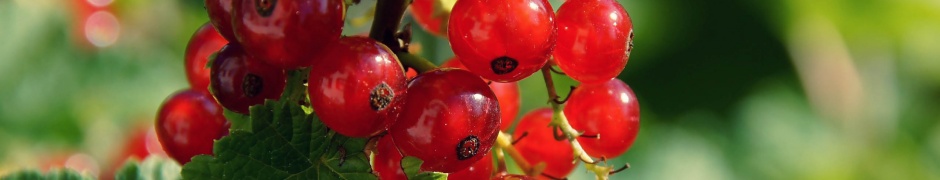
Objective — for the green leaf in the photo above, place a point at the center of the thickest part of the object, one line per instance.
(211, 59)
(412, 168)
(154, 167)
(64, 174)
(285, 142)
(239, 121)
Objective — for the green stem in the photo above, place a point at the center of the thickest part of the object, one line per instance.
(388, 14)
(295, 89)
(560, 121)
(417, 62)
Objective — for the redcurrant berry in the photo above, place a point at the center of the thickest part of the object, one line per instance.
(387, 162)
(450, 120)
(187, 124)
(502, 40)
(142, 143)
(608, 110)
(435, 22)
(483, 169)
(287, 33)
(512, 177)
(220, 15)
(239, 81)
(506, 93)
(539, 145)
(203, 43)
(595, 38)
(411, 73)
(358, 92)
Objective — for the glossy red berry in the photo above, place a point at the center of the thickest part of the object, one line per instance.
(502, 40)
(287, 33)
(359, 91)
(432, 21)
(450, 120)
(387, 162)
(595, 38)
(609, 110)
(539, 145)
(203, 43)
(482, 169)
(506, 93)
(512, 177)
(239, 81)
(220, 15)
(187, 124)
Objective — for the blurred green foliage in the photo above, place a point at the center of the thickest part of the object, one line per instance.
(736, 89)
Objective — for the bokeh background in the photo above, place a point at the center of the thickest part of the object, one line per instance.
(730, 89)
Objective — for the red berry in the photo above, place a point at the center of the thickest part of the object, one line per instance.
(432, 21)
(387, 162)
(509, 102)
(595, 38)
(187, 124)
(483, 169)
(450, 120)
(512, 177)
(506, 93)
(220, 15)
(540, 144)
(502, 40)
(203, 43)
(142, 143)
(358, 89)
(609, 110)
(287, 33)
(239, 81)
(411, 73)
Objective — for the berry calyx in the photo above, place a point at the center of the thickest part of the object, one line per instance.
(201, 46)
(187, 124)
(450, 120)
(220, 15)
(609, 111)
(239, 81)
(287, 33)
(358, 88)
(539, 144)
(595, 38)
(502, 40)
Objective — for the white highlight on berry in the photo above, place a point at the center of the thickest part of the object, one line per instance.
(624, 98)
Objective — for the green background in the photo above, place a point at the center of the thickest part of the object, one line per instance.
(729, 89)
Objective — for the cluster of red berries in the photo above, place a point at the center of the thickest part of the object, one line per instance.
(448, 117)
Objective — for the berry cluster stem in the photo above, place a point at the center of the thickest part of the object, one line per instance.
(504, 143)
(416, 62)
(388, 14)
(561, 122)
(387, 19)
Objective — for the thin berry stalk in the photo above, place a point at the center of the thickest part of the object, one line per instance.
(561, 122)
